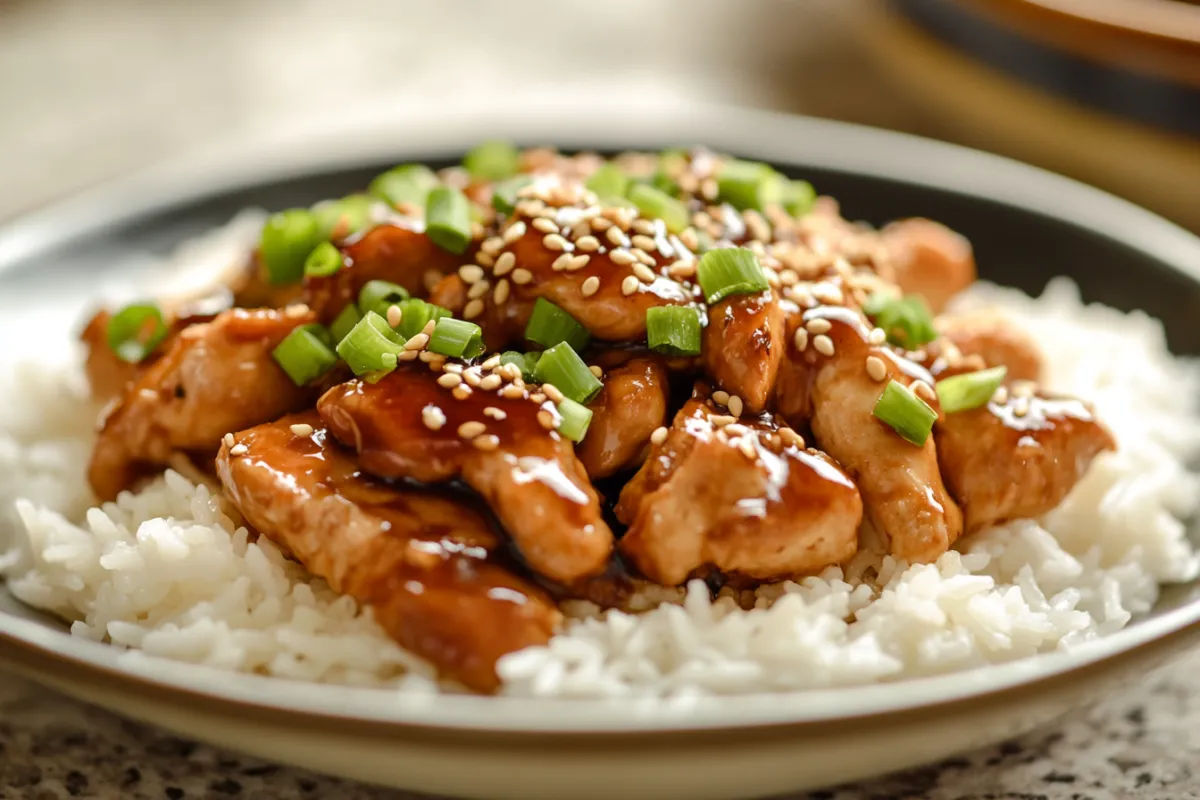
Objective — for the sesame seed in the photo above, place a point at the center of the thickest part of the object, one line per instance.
(644, 273)
(708, 189)
(735, 405)
(478, 290)
(622, 257)
(494, 413)
(538, 397)
(1020, 408)
(819, 325)
(238, 450)
(545, 419)
(689, 239)
(721, 420)
(746, 445)
(394, 316)
(788, 277)
(644, 243)
(461, 392)
(501, 293)
(561, 263)
(295, 311)
(644, 257)
(791, 437)
(486, 443)
(876, 368)
(823, 344)
(492, 245)
(469, 430)
(429, 326)
(801, 339)
(1001, 396)
(449, 380)
(470, 273)
(491, 362)
(433, 417)
(599, 373)
(601, 224)
(552, 392)
(588, 243)
(490, 382)
(455, 368)
(876, 337)
(473, 309)
(510, 371)
(407, 355)
(736, 429)
(617, 236)
(514, 232)
(720, 397)
(545, 225)
(417, 342)
(504, 264)
(578, 262)
(1022, 389)
(512, 392)
(659, 436)
(923, 390)
(629, 285)
(229, 440)
(590, 286)
(484, 259)
(472, 376)
(682, 269)
(435, 360)
(521, 276)
(643, 226)
(553, 241)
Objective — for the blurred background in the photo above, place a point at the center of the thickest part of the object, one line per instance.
(1107, 91)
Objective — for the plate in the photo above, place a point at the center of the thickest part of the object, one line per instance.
(1027, 225)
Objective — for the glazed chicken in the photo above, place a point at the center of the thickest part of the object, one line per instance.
(587, 376)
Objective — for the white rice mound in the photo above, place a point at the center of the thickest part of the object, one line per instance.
(166, 572)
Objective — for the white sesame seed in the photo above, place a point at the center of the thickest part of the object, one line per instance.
(736, 429)
(644, 243)
(682, 269)
(545, 225)
(876, 337)
(433, 417)
(1020, 407)
(590, 286)
(588, 243)
(643, 226)
(735, 405)
(578, 262)
(472, 376)
(629, 285)
(490, 382)
(504, 264)
(819, 325)
(435, 360)
(229, 440)
(689, 239)
(512, 392)
(469, 430)
(470, 273)
(622, 257)
(461, 392)
(923, 390)
(617, 236)
(551, 391)
(429, 326)
(876, 368)
(478, 290)
(1001, 396)
(449, 380)
(721, 420)
(455, 368)
(501, 293)
(546, 419)
(510, 371)
(407, 355)
(791, 437)
(561, 263)
(491, 362)
(394, 316)
(484, 259)
(295, 311)
(417, 342)
(486, 443)
(494, 413)
(601, 224)
(538, 397)
(659, 436)
(514, 232)
(473, 309)
(746, 445)
(239, 450)
(801, 339)
(554, 241)
(599, 373)
(644, 273)
(644, 257)
(720, 397)
(492, 245)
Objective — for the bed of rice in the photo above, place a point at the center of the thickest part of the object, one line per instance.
(167, 573)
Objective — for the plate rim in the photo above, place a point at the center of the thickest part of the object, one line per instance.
(771, 136)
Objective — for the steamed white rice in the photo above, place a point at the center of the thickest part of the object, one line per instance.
(167, 572)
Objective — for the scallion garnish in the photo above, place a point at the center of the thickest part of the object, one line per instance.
(457, 338)
(323, 261)
(526, 362)
(972, 390)
(342, 324)
(287, 239)
(305, 354)
(504, 193)
(906, 320)
(575, 419)
(673, 330)
(135, 331)
(908, 415)
(338, 219)
(407, 183)
(448, 219)
(379, 296)
(749, 185)
(492, 161)
(658, 204)
(798, 197)
(608, 181)
(549, 325)
(416, 314)
(730, 270)
(562, 366)
(371, 346)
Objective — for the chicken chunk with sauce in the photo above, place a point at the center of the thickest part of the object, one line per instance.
(626, 412)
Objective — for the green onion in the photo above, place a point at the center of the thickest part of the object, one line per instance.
(749, 185)
(972, 390)
(338, 219)
(379, 296)
(563, 367)
(549, 325)
(906, 414)
(504, 194)
(305, 354)
(366, 349)
(416, 314)
(660, 205)
(673, 330)
(575, 419)
(526, 362)
(906, 321)
(287, 239)
(448, 219)
(407, 183)
(798, 197)
(457, 338)
(323, 261)
(492, 161)
(608, 181)
(616, 201)
(135, 331)
(730, 270)
(346, 319)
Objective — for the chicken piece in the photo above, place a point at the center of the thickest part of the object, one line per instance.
(215, 377)
(410, 425)
(830, 384)
(992, 340)
(400, 253)
(107, 375)
(1017, 459)
(743, 346)
(426, 564)
(251, 289)
(741, 496)
(929, 259)
(632, 404)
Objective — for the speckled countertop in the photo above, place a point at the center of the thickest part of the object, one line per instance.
(91, 90)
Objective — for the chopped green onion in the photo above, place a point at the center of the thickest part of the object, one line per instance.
(504, 194)
(549, 325)
(407, 183)
(749, 185)
(492, 161)
(135, 331)
(379, 296)
(526, 362)
(673, 330)
(416, 314)
(457, 338)
(906, 321)
(908, 415)
(346, 319)
(616, 201)
(972, 390)
(575, 419)
(448, 219)
(660, 205)
(730, 270)
(608, 181)
(338, 219)
(323, 261)
(287, 239)
(562, 366)
(305, 354)
(798, 197)
(371, 346)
